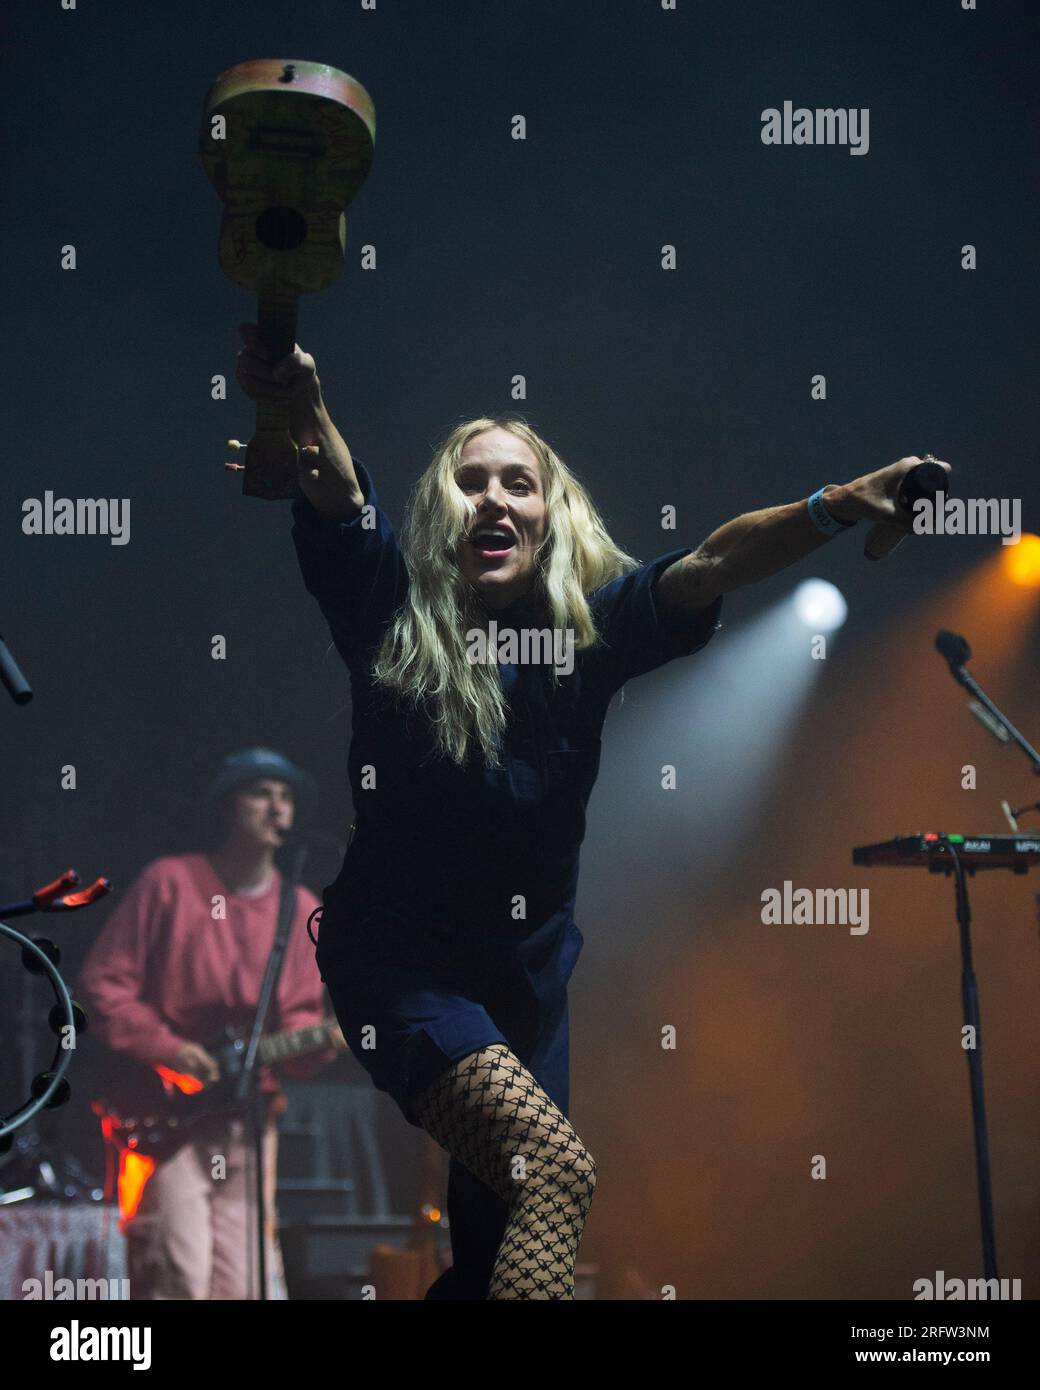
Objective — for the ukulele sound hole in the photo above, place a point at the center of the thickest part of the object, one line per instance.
(281, 229)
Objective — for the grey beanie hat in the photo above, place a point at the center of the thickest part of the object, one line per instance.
(250, 764)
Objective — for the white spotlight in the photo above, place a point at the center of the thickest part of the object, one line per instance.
(820, 605)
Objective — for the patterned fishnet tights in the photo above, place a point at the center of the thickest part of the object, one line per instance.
(490, 1114)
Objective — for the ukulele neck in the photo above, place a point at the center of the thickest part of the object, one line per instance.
(276, 320)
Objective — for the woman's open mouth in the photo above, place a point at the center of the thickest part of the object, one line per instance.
(493, 541)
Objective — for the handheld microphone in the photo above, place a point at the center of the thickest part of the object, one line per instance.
(921, 482)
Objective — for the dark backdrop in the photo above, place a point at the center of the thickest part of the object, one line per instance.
(498, 257)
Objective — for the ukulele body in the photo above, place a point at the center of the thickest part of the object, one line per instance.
(286, 145)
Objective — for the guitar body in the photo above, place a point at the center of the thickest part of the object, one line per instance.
(286, 145)
(154, 1113)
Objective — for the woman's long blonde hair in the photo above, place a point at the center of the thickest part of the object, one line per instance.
(424, 655)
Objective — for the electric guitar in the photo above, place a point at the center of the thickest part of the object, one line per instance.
(152, 1110)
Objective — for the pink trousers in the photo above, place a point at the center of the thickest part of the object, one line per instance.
(194, 1234)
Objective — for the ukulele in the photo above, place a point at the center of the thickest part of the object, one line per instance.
(287, 145)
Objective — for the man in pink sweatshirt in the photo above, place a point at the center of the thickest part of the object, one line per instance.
(180, 958)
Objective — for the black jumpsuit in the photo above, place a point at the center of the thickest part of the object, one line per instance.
(450, 925)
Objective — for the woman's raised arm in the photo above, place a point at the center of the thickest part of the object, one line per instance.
(326, 479)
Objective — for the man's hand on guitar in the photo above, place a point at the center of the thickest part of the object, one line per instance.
(191, 1059)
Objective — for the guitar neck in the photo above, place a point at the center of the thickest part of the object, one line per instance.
(280, 1046)
(276, 320)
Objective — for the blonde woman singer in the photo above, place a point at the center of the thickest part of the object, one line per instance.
(448, 939)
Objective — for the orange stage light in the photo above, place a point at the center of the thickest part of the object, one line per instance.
(1022, 562)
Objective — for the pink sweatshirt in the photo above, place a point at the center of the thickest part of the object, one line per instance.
(164, 971)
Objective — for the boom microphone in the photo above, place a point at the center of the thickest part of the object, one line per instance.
(17, 686)
(954, 648)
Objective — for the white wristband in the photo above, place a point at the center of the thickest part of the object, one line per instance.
(822, 518)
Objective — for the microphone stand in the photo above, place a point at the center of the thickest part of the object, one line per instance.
(961, 675)
(972, 1020)
(956, 651)
(248, 1092)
